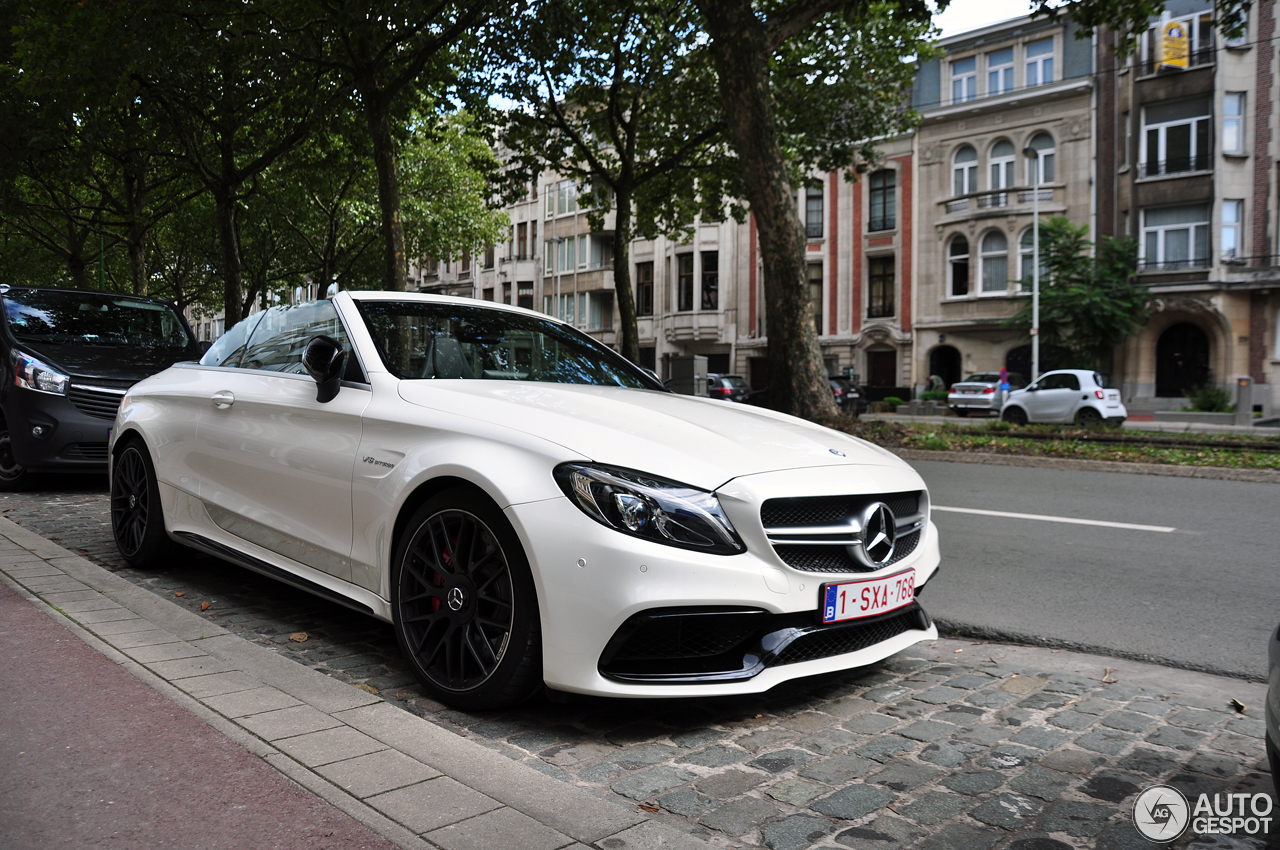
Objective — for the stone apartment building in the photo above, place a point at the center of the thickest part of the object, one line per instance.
(1185, 152)
(915, 268)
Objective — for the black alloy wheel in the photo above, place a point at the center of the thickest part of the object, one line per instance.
(137, 520)
(13, 475)
(464, 604)
(1015, 416)
(1088, 417)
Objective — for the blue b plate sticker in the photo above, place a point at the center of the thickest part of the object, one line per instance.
(852, 600)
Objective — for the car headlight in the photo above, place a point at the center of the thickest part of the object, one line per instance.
(36, 374)
(650, 508)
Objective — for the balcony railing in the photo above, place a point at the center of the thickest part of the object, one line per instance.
(1003, 198)
(1174, 265)
(1177, 165)
(887, 222)
(1204, 56)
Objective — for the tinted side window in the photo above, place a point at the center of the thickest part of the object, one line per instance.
(1071, 382)
(278, 341)
(228, 348)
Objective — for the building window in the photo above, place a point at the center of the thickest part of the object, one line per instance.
(880, 296)
(488, 257)
(548, 257)
(522, 241)
(815, 295)
(1199, 34)
(1176, 137)
(883, 200)
(1175, 237)
(964, 171)
(487, 293)
(710, 280)
(1042, 144)
(466, 265)
(958, 267)
(600, 311)
(533, 238)
(684, 282)
(1027, 253)
(1231, 246)
(813, 212)
(644, 289)
(551, 199)
(1000, 71)
(566, 198)
(1233, 123)
(1039, 62)
(1003, 163)
(1128, 139)
(524, 294)
(506, 293)
(995, 263)
(964, 80)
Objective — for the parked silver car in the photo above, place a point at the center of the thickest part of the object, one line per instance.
(1066, 395)
(980, 393)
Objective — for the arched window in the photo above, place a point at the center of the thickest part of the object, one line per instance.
(1042, 144)
(995, 263)
(965, 171)
(1003, 157)
(1026, 250)
(958, 267)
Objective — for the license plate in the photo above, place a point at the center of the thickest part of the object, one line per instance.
(852, 600)
(967, 391)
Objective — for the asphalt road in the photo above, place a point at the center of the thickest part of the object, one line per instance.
(1204, 595)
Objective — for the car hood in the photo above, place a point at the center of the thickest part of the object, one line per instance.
(115, 362)
(702, 442)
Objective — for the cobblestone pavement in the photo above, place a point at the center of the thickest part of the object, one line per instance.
(948, 745)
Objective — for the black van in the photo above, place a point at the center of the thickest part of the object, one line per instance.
(71, 355)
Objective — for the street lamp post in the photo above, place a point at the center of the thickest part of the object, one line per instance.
(1033, 156)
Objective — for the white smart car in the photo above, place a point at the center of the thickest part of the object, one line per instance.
(524, 505)
(1066, 395)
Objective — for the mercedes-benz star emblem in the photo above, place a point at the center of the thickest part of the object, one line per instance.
(879, 535)
(456, 598)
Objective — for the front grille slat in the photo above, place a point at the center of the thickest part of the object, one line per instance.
(787, 520)
(830, 642)
(90, 398)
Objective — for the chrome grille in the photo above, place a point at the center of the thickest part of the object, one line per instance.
(820, 534)
(98, 398)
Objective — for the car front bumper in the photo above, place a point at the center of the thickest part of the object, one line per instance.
(71, 440)
(594, 582)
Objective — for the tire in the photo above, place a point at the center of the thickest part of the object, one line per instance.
(1087, 417)
(137, 519)
(1015, 416)
(464, 606)
(13, 475)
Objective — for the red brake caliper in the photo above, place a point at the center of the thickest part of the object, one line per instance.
(438, 580)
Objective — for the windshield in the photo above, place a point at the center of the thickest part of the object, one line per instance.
(421, 341)
(92, 318)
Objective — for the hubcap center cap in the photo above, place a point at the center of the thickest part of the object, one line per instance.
(133, 500)
(456, 598)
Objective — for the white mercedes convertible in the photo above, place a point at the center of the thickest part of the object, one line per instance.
(522, 504)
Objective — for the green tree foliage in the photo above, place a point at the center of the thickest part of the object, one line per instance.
(1089, 301)
(620, 97)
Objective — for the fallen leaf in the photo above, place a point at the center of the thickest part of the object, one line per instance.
(1106, 677)
(648, 808)
(1055, 651)
(1070, 702)
(298, 637)
(204, 606)
(959, 650)
(180, 593)
(1015, 675)
(367, 688)
(759, 716)
(403, 695)
(1239, 706)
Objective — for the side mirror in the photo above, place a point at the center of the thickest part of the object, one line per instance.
(324, 361)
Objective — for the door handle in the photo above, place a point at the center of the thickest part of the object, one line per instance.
(223, 399)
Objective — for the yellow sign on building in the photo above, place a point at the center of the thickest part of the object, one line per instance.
(1175, 46)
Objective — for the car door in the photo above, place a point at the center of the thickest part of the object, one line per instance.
(1055, 400)
(274, 464)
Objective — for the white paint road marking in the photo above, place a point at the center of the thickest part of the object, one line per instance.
(1070, 520)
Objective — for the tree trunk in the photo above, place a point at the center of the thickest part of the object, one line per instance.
(797, 378)
(233, 306)
(630, 341)
(377, 112)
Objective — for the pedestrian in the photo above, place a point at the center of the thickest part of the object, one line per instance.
(1004, 385)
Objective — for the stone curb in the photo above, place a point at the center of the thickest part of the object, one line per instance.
(321, 733)
(1257, 476)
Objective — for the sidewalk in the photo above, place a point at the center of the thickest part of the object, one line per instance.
(953, 744)
(1133, 424)
(205, 752)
